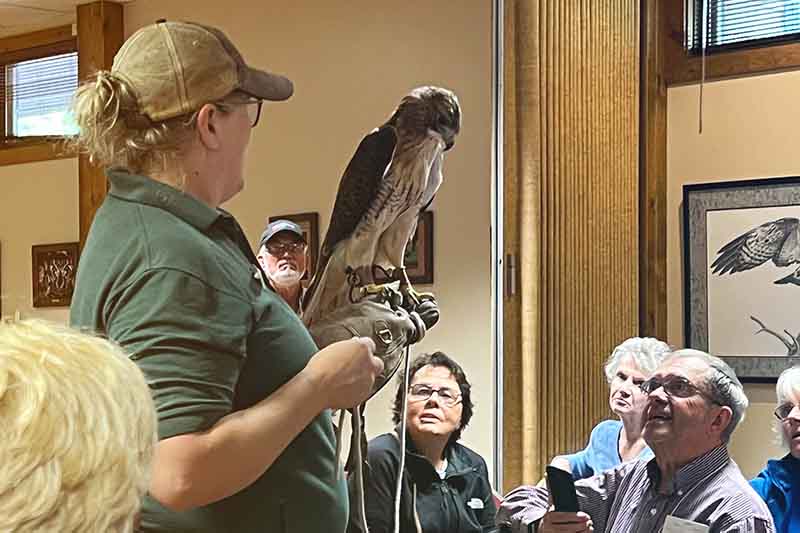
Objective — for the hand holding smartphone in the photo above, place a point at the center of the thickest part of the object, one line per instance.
(562, 490)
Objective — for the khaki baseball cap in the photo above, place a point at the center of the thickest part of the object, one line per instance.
(177, 67)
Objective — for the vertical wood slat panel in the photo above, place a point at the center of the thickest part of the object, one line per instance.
(575, 96)
(513, 453)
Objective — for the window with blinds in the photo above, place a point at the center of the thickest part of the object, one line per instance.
(732, 24)
(36, 96)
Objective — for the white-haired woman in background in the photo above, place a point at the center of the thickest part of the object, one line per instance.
(617, 441)
(78, 432)
(779, 483)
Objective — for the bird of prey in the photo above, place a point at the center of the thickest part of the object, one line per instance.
(778, 241)
(391, 179)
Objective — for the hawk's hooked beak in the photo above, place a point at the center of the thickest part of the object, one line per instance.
(449, 144)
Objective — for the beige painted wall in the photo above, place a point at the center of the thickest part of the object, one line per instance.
(38, 205)
(351, 62)
(749, 131)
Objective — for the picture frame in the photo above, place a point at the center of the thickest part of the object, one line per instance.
(418, 258)
(739, 304)
(54, 267)
(309, 225)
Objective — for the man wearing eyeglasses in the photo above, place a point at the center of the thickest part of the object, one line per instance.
(691, 485)
(283, 255)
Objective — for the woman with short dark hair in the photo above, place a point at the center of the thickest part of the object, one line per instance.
(445, 484)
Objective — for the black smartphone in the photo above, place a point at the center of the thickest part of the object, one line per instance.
(562, 490)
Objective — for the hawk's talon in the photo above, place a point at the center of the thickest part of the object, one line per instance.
(411, 296)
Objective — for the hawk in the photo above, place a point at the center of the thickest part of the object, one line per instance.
(777, 241)
(392, 177)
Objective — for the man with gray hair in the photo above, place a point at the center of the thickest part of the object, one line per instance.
(694, 403)
(283, 254)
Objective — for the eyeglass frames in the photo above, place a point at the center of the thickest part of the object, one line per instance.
(422, 393)
(675, 387)
(783, 411)
(254, 111)
(279, 248)
(252, 106)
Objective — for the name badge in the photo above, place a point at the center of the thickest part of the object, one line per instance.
(681, 525)
(475, 503)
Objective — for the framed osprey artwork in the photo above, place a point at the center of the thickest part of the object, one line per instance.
(741, 250)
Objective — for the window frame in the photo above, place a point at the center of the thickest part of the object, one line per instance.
(713, 27)
(34, 45)
(682, 67)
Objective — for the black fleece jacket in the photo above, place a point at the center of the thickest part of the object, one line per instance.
(462, 502)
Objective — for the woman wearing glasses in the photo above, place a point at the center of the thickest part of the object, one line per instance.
(243, 396)
(779, 483)
(446, 485)
(617, 441)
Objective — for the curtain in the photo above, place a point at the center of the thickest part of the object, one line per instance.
(571, 95)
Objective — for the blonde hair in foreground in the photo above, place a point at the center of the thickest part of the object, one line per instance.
(78, 432)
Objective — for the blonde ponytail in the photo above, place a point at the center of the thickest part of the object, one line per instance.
(113, 132)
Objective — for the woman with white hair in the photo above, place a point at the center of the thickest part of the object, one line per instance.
(776, 484)
(617, 441)
(79, 429)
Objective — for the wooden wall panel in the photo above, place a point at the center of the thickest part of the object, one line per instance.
(100, 35)
(653, 170)
(571, 86)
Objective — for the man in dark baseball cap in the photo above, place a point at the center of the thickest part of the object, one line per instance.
(283, 254)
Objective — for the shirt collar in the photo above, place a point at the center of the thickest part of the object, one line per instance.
(143, 190)
(784, 471)
(457, 465)
(694, 472)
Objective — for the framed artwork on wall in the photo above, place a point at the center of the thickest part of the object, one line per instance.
(309, 224)
(741, 250)
(54, 268)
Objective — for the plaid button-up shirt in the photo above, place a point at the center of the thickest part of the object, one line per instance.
(710, 490)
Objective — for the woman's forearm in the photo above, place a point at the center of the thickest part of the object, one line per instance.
(197, 469)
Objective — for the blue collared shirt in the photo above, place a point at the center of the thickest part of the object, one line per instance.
(602, 452)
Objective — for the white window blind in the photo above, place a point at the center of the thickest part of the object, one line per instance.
(37, 95)
(731, 24)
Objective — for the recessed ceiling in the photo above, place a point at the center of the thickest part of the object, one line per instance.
(24, 16)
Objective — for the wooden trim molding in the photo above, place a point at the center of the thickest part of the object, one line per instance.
(682, 68)
(100, 35)
(51, 49)
(36, 39)
(38, 149)
(653, 172)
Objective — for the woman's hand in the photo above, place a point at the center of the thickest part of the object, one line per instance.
(344, 372)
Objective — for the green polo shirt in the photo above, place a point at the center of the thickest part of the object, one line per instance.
(176, 284)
